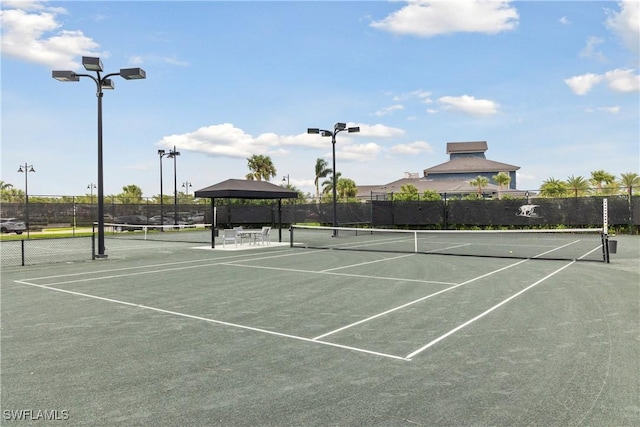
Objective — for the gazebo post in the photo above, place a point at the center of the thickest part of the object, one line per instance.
(213, 223)
(279, 220)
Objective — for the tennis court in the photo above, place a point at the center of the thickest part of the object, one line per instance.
(172, 333)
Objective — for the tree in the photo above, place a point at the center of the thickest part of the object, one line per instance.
(599, 177)
(631, 182)
(552, 187)
(502, 178)
(261, 167)
(346, 188)
(407, 192)
(578, 185)
(431, 195)
(480, 182)
(131, 194)
(322, 170)
(327, 185)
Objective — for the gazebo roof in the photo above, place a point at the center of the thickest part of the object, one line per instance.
(245, 189)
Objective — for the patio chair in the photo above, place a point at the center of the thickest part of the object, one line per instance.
(264, 236)
(229, 236)
(241, 236)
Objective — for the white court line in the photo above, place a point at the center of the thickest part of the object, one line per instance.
(467, 323)
(138, 267)
(365, 263)
(418, 300)
(218, 322)
(330, 273)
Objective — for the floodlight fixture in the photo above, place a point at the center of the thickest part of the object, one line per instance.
(65, 76)
(354, 129)
(133, 73)
(340, 126)
(326, 133)
(92, 63)
(108, 84)
(313, 130)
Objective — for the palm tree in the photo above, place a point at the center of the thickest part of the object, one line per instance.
(346, 188)
(322, 170)
(598, 177)
(578, 185)
(327, 185)
(552, 187)
(502, 178)
(261, 167)
(630, 181)
(480, 182)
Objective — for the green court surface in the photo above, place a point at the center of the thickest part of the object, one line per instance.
(175, 334)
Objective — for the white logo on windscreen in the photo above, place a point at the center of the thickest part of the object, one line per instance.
(528, 211)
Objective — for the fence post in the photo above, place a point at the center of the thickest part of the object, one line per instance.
(22, 251)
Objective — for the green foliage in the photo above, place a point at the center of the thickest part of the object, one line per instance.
(261, 167)
(407, 192)
(430, 195)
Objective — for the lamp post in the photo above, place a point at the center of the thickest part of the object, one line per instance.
(102, 82)
(161, 154)
(337, 128)
(174, 154)
(27, 168)
(91, 186)
(186, 186)
(286, 179)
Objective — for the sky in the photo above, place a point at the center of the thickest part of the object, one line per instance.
(552, 86)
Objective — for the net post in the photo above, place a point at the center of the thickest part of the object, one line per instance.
(605, 216)
(22, 251)
(93, 241)
(291, 236)
(415, 242)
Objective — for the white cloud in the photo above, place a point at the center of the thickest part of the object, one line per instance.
(564, 20)
(27, 36)
(379, 131)
(590, 50)
(226, 140)
(423, 95)
(580, 85)
(612, 110)
(623, 80)
(619, 80)
(626, 23)
(358, 152)
(388, 110)
(429, 18)
(416, 147)
(469, 104)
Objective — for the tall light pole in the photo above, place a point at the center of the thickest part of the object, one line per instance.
(337, 128)
(27, 168)
(186, 186)
(174, 154)
(91, 186)
(161, 154)
(102, 82)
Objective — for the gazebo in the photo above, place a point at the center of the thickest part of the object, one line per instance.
(246, 189)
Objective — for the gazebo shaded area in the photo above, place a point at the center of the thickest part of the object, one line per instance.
(245, 189)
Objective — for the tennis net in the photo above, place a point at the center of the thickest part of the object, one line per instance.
(585, 244)
(189, 233)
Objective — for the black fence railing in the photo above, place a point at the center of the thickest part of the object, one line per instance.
(623, 211)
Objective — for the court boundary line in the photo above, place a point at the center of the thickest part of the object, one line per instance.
(419, 300)
(214, 321)
(484, 313)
